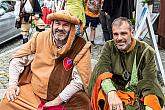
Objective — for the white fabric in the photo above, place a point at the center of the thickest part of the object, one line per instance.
(148, 108)
(17, 66)
(75, 85)
(49, 4)
(17, 8)
(28, 7)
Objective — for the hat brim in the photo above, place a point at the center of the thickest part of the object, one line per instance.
(65, 16)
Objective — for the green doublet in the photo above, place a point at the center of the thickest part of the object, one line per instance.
(110, 61)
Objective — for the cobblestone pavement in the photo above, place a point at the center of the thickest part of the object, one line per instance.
(5, 57)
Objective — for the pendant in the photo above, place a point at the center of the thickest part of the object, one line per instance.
(126, 75)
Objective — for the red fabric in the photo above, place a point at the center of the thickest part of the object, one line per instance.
(42, 107)
(67, 63)
(45, 12)
(97, 87)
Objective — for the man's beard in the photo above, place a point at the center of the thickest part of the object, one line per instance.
(60, 42)
(60, 34)
(123, 45)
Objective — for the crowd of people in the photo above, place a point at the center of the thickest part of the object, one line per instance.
(52, 71)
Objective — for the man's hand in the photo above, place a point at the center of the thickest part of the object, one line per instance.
(12, 92)
(114, 101)
(55, 102)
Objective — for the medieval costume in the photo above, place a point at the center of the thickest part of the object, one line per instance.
(47, 9)
(132, 73)
(23, 11)
(63, 72)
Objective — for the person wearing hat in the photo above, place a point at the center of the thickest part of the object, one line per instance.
(52, 70)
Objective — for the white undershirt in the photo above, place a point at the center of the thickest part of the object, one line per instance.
(17, 8)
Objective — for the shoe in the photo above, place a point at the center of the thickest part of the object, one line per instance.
(93, 42)
(25, 40)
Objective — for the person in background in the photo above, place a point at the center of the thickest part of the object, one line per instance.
(77, 8)
(112, 9)
(92, 9)
(60, 67)
(23, 11)
(125, 76)
(48, 7)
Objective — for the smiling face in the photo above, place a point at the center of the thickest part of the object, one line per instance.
(122, 34)
(61, 30)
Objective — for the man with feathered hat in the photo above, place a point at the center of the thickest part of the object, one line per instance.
(51, 71)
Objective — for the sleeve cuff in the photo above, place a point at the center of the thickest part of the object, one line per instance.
(107, 86)
(148, 108)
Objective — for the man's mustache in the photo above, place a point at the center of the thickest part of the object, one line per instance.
(120, 41)
(60, 31)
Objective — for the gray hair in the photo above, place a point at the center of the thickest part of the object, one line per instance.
(119, 21)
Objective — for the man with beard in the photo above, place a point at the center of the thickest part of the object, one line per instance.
(125, 76)
(60, 69)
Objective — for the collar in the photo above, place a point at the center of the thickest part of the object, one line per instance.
(132, 45)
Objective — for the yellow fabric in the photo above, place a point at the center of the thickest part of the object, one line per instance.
(76, 8)
(152, 101)
(102, 96)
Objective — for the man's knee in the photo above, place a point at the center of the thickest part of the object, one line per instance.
(4, 104)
